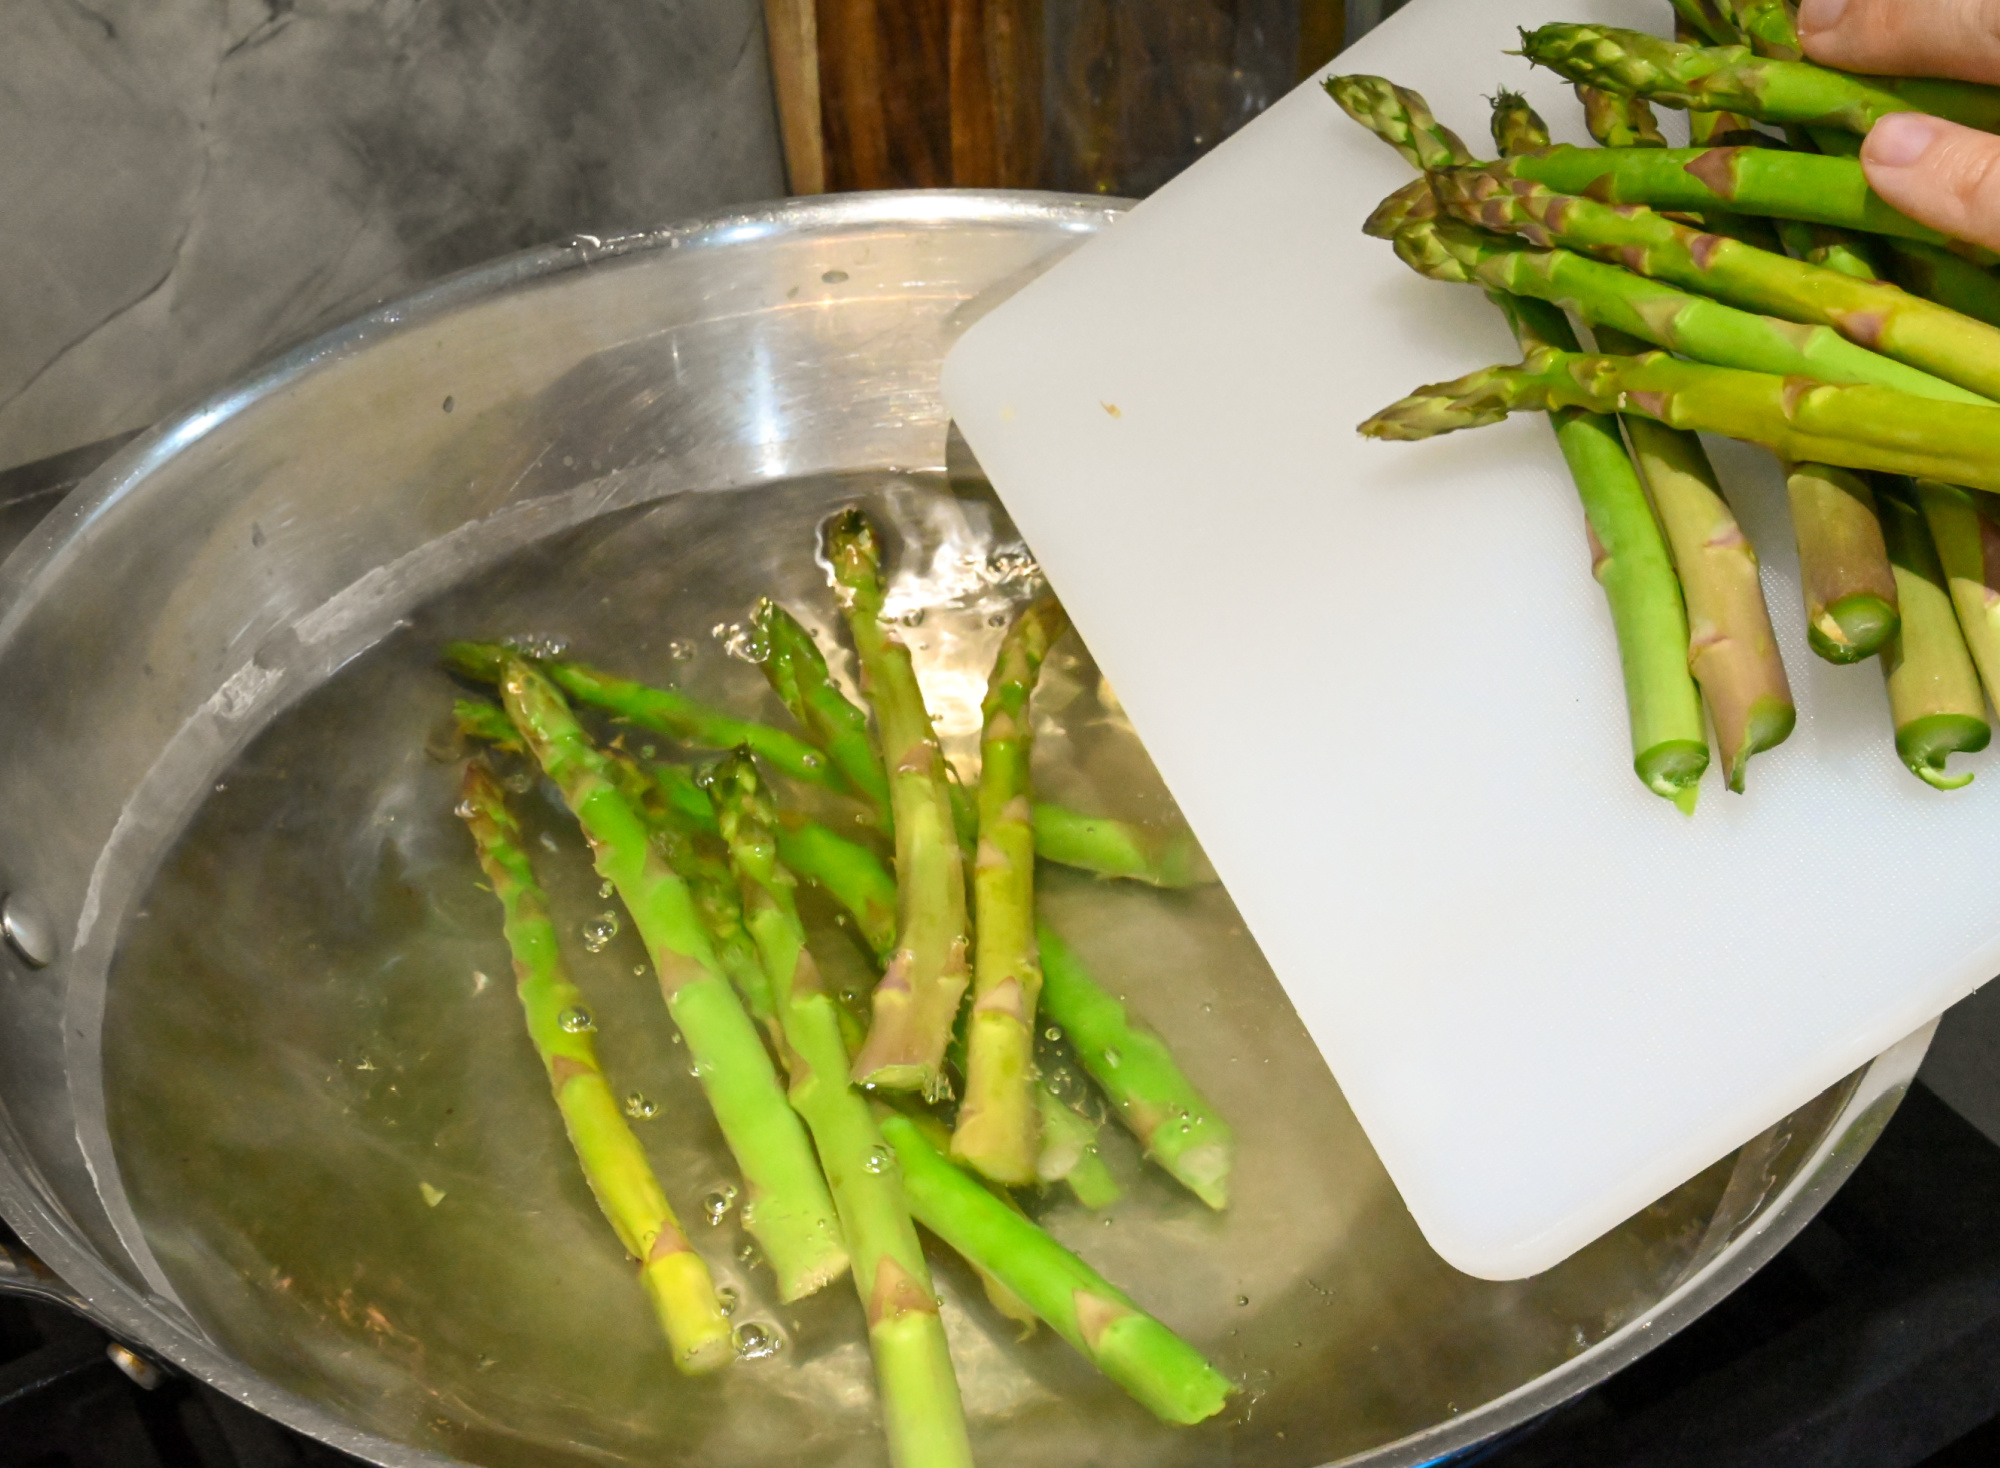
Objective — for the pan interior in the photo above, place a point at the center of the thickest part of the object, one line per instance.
(341, 1147)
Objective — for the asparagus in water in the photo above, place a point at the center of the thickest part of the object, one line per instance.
(789, 1212)
(621, 1179)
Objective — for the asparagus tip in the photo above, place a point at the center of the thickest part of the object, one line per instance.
(1853, 628)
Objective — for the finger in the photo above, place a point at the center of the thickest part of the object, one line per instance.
(1938, 173)
(1954, 38)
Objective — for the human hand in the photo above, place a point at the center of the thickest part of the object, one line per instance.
(1937, 172)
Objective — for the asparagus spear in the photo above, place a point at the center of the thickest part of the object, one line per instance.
(797, 669)
(1704, 18)
(1617, 121)
(1860, 427)
(488, 724)
(666, 711)
(1159, 856)
(1069, 1153)
(1877, 316)
(1850, 591)
(1934, 693)
(917, 999)
(1946, 276)
(621, 1179)
(1690, 325)
(1401, 118)
(1630, 560)
(1766, 25)
(1165, 1373)
(1775, 182)
(1171, 1119)
(998, 1132)
(789, 1211)
(1968, 547)
(1731, 650)
(923, 1418)
(1735, 79)
(1517, 127)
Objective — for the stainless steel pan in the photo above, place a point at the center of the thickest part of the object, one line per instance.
(265, 1112)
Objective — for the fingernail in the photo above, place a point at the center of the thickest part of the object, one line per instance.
(1820, 15)
(1900, 139)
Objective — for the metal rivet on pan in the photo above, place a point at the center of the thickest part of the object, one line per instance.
(26, 926)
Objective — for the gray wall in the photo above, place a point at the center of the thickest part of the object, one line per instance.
(191, 185)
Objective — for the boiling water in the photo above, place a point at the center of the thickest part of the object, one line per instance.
(340, 1142)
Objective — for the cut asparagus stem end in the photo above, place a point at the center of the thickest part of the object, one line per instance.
(1770, 724)
(1925, 744)
(1673, 769)
(1853, 628)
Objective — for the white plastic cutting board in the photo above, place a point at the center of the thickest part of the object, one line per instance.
(1382, 685)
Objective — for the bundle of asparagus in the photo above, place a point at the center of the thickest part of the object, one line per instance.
(708, 864)
(1753, 286)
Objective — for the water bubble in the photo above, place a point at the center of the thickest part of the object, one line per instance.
(520, 783)
(727, 1298)
(697, 1069)
(1112, 1058)
(465, 810)
(640, 1107)
(639, 972)
(599, 931)
(606, 888)
(576, 1020)
(675, 1037)
(998, 619)
(715, 1207)
(1053, 1032)
(913, 618)
(756, 1343)
(681, 650)
(1242, 1299)
(745, 644)
(538, 644)
(812, 761)
(746, 1252)
(1208, 1009)
(878, 1159)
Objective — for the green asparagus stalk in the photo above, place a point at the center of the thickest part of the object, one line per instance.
(1775, 182)
(1704, 19)
(1859, 427)
(1844, 572)
(1159, 856)
(1767, 25)
(1171, 1119)
(923, 1418)
(1934, 692)
(1679, 321)
(621, 1179)
(1968, 546)
(1401, 118)
(1630, 560)
(1069, 1153)
(1947, 277)
(797, 669)
(1615, 120)
(1735, 79)
(999, 1129)
(487, 723)
(666, 711)
(1517, 127)
(1877, 316)
(917, 1000)
(789, 1212)
(707, 874)
(1731, 649)
(1163, 1372)
(1720, 130)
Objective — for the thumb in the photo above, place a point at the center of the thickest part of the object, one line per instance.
(1938, 173)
